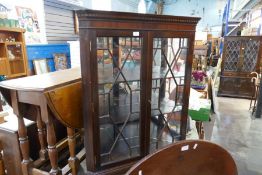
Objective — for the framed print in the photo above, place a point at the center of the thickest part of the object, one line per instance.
(40, 66)
(60, 61)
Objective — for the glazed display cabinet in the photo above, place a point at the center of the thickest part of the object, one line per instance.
(13, 59)
(241, 56)
(136, 72)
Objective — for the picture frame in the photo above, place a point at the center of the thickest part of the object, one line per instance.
(40, 66)
(60, 61)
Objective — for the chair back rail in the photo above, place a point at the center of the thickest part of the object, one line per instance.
(187, 158)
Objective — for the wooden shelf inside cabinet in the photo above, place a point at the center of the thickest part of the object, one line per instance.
(13, 53)
(14, 43)
(16, 59)
(136, 85)
(9, 29)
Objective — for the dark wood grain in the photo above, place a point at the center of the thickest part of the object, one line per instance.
(200, 157)
(2, 165)
(94, 24)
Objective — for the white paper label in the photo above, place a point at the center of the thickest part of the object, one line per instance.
(135, 33)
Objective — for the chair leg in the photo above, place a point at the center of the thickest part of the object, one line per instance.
(2, 167)
(200, 129)
(73, 161)
(1, 105)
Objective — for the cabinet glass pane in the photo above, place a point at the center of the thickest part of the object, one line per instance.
(169, 61)
(15, 58)
(232, 52)
(119, 63)
(250, 49)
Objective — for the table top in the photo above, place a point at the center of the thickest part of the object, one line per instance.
(44, 82)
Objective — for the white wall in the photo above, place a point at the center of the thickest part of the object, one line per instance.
(113, 5)
(75, 53)
(101, 5)
(209, 16)
(237, 5)
(35, 5)
(124, 5)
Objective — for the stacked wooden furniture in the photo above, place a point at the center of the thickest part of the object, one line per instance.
(213, 58)
(241, 56)
(135, 98)
(51, 98)
(13, 59)
(200, 57)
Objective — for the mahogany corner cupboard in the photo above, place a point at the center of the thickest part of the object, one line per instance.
(136, 72)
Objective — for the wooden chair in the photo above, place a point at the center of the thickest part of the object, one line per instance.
(2, 167)
(186, 158)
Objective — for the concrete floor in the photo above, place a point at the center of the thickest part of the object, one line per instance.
(233, 128)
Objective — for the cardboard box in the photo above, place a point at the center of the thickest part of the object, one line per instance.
(201, 114)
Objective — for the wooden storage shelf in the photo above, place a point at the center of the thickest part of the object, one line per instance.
(17, 59)
(13, 54)
(13, 43)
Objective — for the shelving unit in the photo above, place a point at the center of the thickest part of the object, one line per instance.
(13, 59)
(136, 72)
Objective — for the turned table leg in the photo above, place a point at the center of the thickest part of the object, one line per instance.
(22, 135)
(41, 136)
(51, 140)
(73, 161)
(52, 150)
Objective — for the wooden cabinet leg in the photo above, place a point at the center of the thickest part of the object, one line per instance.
(22, 135)
(41, 136)
(73, 161)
